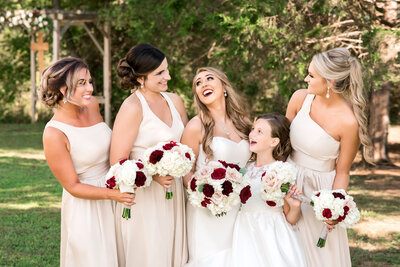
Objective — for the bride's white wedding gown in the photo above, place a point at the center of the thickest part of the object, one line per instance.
(210, 237)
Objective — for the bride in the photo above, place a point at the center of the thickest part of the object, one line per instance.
(219, 132)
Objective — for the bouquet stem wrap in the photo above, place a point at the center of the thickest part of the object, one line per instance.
(322, 237)
(169, 194)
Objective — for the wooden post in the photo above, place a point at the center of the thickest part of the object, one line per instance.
(56, 39)
(40, 46)
(107, 74)
(33, 82)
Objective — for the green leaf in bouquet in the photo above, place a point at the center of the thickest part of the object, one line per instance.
(200, 188)
(242, 171)
(285, 187)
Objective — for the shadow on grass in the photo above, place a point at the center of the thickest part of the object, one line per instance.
(21, 136)
(27, 180)
(30, 237)
(368, 192)
(388, 256)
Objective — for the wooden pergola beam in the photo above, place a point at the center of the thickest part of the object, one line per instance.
(67, 18)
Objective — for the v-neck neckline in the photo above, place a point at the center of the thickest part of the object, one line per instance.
(169, 106)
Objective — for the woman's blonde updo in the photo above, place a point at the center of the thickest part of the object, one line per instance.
(234, 108)
(339, 66)
(62, 73)
(138, 62)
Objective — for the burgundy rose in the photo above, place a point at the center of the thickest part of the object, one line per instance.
(169, 146)
(234, 166)
(205, 202)
(327, 213)
(188, 156)
(218, 174)
(227, 188)
(208, 190)
(122, 161)
(271, 203)
(139, 165)
(346, 210)
(156, 156)
(193, 185)
(262, 175)
(338, 195)
(110, 183)
(223, 163)
(140, 179)
(245, 194)
(341, 218)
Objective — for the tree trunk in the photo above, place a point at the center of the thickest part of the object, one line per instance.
(379, 124)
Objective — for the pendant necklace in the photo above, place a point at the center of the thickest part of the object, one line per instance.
(226, 131)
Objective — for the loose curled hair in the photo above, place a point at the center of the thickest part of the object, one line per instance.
(280, 128)
(339, 66)
(62, 73)
(138, 62)
(234, 107)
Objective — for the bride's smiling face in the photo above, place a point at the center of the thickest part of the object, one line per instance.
(209, 87)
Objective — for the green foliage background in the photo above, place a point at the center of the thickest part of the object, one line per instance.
(264, 46)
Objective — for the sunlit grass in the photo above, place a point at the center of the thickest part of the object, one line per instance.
(29, 200)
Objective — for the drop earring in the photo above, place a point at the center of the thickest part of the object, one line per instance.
(141, 85)
(225, 94)
(327, 93)
(65, 100)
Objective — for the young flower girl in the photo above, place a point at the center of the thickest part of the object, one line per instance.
(263, 233)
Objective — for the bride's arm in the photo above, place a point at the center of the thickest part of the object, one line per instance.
(192, 137)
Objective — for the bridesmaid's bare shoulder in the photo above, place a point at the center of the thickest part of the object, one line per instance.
(131, 107)
(295, 103)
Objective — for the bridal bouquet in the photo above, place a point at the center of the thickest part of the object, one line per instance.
(334, 205)
(275, 182)
(169, 158)
(127, 175)
(218, 186)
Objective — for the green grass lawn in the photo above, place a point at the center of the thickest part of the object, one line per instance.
(29, 200)
(30, 207)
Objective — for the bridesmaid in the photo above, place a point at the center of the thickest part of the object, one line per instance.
(76, 144)
(325, 132)
(156, 233)
(219, 132)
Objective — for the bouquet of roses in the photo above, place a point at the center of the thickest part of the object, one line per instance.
(218, 186)
(275, 182)
(127, 175)
(334, 205)
(169, 158)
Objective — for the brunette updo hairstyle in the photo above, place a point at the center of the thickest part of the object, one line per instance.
(63, 72)
(138, 62)
(280, 128)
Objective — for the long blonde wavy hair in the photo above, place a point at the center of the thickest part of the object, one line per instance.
(234, 108)
(339, 66)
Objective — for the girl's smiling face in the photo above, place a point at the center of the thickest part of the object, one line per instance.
(260, 137)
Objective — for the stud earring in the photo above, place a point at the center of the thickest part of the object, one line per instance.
(225, 94)
(327, 93)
